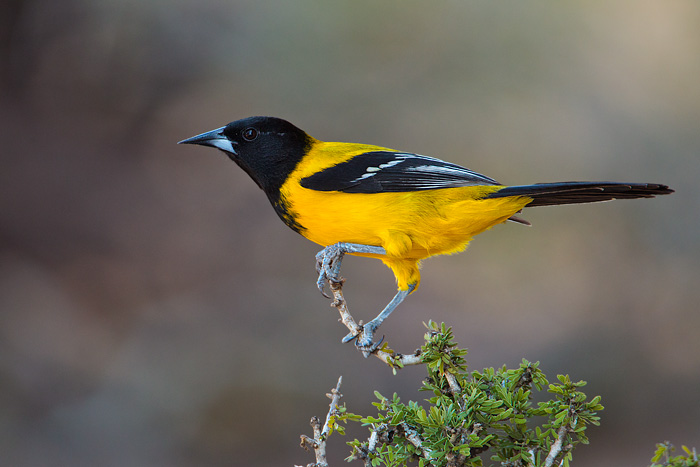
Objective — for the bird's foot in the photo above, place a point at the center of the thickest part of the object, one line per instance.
(364, 338)
(328, 263)
(329, 259)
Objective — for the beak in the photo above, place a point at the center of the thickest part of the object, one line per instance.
(213, 138)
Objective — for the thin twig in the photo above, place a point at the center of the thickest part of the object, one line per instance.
(415, 439)
(388, 356)
(318, 442)
(339, 302)
(334, 396)
(557, 447)
(455, 389)
(532, 457)
(374, 438)
(410, 434)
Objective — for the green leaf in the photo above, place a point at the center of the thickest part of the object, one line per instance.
(493, 417)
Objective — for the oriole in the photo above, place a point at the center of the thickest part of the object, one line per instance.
(372, 201)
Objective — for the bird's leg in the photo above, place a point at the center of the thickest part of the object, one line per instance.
(364, 339)
(328, 262)
(329, 259)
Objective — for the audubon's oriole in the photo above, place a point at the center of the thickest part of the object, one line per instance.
(372, 201)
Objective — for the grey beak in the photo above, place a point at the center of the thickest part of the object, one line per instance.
(213, 138)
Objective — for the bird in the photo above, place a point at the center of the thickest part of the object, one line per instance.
(396, 206)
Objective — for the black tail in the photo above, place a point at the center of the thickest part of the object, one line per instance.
(550, 194)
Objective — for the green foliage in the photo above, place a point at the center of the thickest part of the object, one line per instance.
(470, 417)
(664, 450)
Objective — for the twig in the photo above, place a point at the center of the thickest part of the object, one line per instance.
(318, 442)
(410, 434)
(557, 447)
(334, 396)
(374, 438)
(415, 439)
(532, 457)
(339, 303)
(455, 389)
(383, 353)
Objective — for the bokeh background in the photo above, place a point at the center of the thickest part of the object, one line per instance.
(153, 309)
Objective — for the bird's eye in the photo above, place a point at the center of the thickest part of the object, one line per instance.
(249, 134)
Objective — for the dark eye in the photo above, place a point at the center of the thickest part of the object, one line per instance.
(249, 134)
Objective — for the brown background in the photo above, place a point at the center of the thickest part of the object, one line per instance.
(153, 309)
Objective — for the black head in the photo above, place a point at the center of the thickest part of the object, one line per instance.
(267, 148)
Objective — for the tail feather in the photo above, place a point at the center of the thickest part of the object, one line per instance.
(550, 194)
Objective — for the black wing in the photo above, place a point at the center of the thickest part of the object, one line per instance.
(386, 171)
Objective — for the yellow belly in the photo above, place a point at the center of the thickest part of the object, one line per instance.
(410, 226)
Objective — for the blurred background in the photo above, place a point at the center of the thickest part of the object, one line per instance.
(155, 311)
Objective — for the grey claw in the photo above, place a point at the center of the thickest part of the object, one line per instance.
(371, 347)
(348, 338)
(363, 340)
(321, 284)
(327, 261)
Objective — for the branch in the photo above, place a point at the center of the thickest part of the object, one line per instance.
(454, 385)
(383, 353)
(379, 433)
(558, 446)
(374, 438)
(318, 442)
(415, 439)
